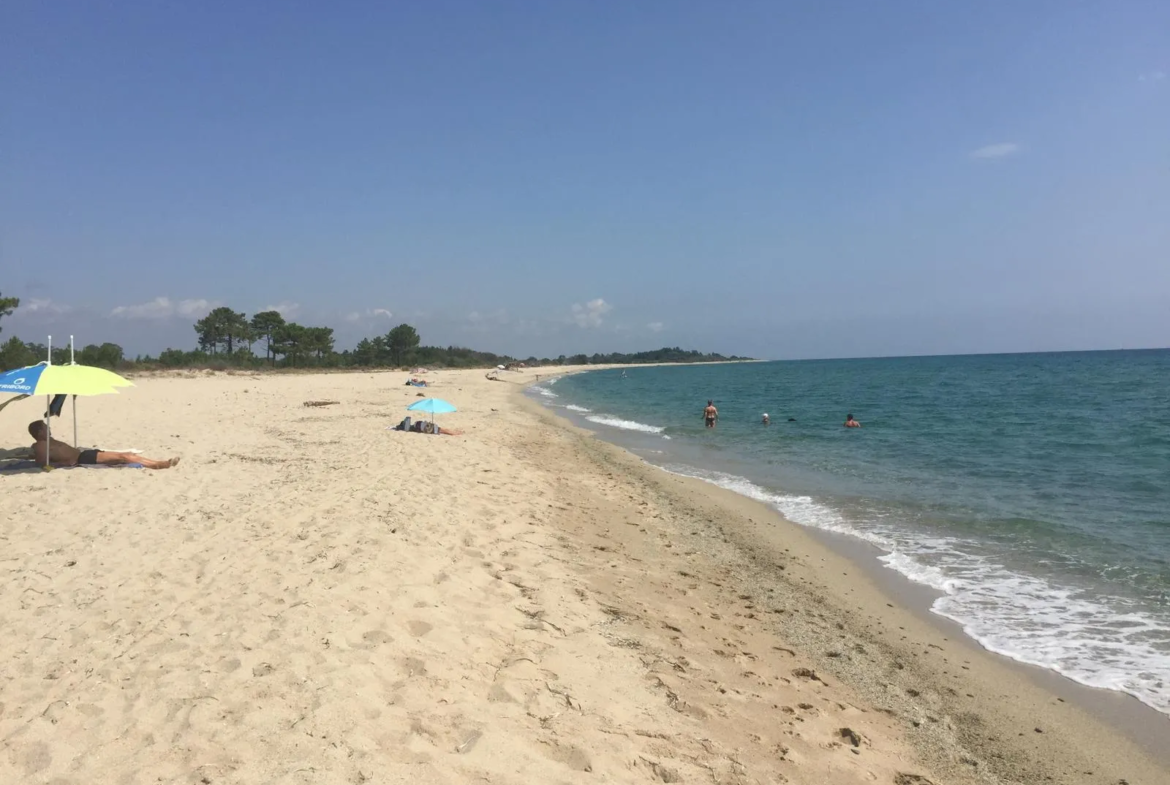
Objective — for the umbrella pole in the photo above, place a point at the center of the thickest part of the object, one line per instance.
(73, 362)
(48, 429)
(48, 403)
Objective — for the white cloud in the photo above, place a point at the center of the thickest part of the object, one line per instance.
(1000, 150)
(1152, 76)
(286, 309)
(370, 313)
(592, 313)
(656, 327)
(193, 307)
(157, 308)
(42, 306)
(164, 307)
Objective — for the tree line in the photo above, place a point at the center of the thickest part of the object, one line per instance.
(231, 334)
(229, 339)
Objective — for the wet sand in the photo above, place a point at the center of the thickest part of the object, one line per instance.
(1146, 727)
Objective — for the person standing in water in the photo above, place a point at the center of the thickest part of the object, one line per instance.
(710, 414)
(850, 422)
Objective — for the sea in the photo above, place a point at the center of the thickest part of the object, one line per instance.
(1031, 490)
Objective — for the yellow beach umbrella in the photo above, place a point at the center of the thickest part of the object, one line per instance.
(45, 379)
(49, 380)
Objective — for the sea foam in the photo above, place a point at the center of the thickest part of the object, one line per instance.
(1022, 617)
(625, 425)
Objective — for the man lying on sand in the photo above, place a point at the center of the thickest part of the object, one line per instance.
(422, 426)
(430, 427)
(61, 454)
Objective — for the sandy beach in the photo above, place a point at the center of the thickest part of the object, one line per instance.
(311, 597)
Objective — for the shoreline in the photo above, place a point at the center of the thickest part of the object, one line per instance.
(1093, 714)
(1145, 726)
(313, 597)
(1141, 722)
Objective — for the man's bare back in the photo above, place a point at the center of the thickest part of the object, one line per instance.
(61, 454)
(710, 414)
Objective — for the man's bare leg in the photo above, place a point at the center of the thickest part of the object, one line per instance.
(150, 463)
(123, 458)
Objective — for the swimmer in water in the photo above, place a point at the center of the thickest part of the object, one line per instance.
(765, 421)
(710, 414)
(850, 422)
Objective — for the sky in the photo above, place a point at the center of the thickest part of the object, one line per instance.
(773, 179)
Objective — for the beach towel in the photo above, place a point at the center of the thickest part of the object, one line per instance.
(18, 467)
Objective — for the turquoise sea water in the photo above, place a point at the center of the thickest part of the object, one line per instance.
(1033, 490)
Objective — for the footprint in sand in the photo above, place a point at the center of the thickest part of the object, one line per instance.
(418, 628)
(499, 694)
(414, 666)
(573, 757)
(35, 757)
(376, 637)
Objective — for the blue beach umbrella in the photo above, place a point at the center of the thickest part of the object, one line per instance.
(433, 406)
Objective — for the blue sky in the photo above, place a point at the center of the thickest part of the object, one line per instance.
(767, 178)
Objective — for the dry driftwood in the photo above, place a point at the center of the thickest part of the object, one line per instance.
(321, 403)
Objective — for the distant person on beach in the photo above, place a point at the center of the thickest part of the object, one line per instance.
(61, 454)
(850, 422)
(766, 420)
(422, 426)
(710, 414)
